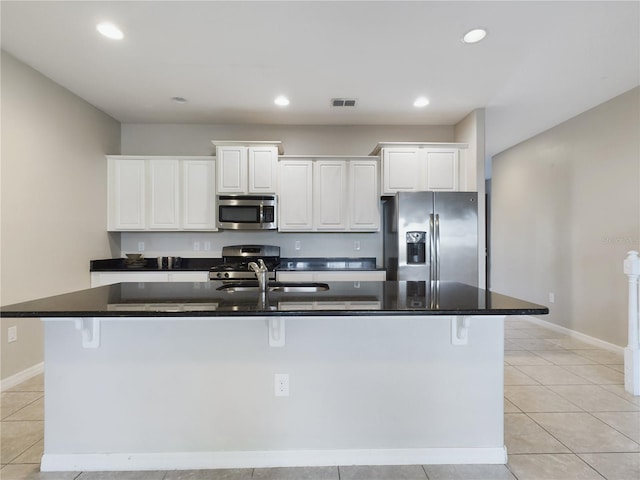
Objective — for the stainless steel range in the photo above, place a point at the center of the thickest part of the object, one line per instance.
(236, 259)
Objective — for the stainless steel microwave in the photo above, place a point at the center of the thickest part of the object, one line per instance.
(248, 212)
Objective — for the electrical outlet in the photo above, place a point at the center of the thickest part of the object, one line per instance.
(141, 246)
(207, 246)
(297, 245)
(196, 246)
(552, 297)
(356, 245)
(281, 384)
(12, 334)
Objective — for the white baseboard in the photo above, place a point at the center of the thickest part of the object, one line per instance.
(265, 459)
(577, 335)
(22, 376)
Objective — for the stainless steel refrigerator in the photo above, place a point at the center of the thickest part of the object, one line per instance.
(431, 236)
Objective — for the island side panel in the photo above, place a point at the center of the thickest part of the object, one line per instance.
(176, 385)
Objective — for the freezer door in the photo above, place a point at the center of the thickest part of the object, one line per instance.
(456, 233)
(413, 213)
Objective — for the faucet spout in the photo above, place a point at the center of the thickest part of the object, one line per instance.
(260, 269)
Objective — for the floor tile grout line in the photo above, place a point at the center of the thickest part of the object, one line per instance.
(603, 389)
(611, 426)
(4, 419)
(551, 434)
(596, 418)
(550, 390)
(22, 453)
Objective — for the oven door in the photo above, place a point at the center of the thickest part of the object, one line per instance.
(247, 212)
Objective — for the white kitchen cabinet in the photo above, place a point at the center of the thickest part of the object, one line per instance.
(126, 181)
(295, 195)
(330, 195)
(364, 196)
(327, 194)
(402, 170)
(263, 168)
(161, 193)
(246, 169)
(109, 278)
(442, 168)
(198, 195)
(191, 276)
(164, 194)
(232, 169)
(419, 167)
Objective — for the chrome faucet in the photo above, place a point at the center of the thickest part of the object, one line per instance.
(260, 269)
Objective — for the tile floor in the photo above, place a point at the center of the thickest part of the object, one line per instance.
(567, 417)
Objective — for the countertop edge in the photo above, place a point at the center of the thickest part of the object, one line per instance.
(267, 313)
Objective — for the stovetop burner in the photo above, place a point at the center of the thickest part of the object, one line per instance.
(236, 259)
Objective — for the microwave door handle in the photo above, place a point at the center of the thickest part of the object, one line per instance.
(261, 219)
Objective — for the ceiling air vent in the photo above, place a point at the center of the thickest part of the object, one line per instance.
(343, 102)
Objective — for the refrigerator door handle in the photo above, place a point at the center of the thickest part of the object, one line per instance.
(432, 248)
(437, 249)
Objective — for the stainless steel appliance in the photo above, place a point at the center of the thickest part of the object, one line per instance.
(236, 259)
(430, 236)
(247, 212)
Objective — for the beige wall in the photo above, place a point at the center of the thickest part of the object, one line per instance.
(565, 210)
(53, 198)
(470, 130)
(155, 139)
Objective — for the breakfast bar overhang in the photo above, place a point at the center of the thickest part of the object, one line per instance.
(157, 376)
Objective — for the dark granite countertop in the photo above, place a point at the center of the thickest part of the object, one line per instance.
(292, 264)
(185, 264)
(296, 264)
(189, 299)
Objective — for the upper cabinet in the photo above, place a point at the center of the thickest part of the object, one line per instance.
(295, 195)
(161, 193)
(247, 167)
(410, 167)
(198, 194)
(364, 195)
(126, 186)
(328, 194)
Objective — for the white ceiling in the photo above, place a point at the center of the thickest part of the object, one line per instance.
(542, 62)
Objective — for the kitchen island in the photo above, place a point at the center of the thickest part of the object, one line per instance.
(157, 376)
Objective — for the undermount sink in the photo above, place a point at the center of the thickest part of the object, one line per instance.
(296, 287)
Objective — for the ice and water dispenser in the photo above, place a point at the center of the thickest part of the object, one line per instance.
(416, 248)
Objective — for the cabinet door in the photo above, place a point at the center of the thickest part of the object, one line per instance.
(295, 178)
(126, 197)
(442, 168)
(302, 276)
(263, 165)
(330, 195)
(364, 199)
(402, 170)
(232, 169)
(198, 195)
(109, 278)
(164, 194)
(189, 276)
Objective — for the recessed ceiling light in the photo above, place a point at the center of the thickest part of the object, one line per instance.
(421, 102)
(179, 100)
(474, 36)
(281, 101)
(109, 30)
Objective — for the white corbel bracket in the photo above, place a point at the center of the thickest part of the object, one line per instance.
(90, 328)
(460, 330)
(276, 332)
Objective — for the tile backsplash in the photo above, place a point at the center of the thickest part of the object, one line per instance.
(209, 244)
